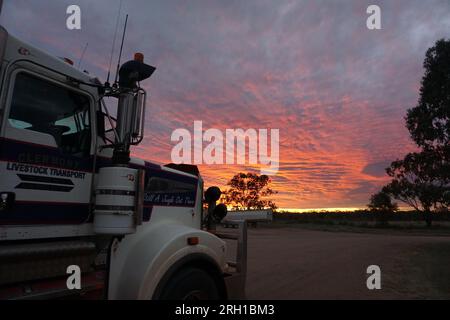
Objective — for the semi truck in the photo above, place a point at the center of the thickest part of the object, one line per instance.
(72, 197)
(251, 217)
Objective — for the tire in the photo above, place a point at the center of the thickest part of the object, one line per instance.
(190, 284)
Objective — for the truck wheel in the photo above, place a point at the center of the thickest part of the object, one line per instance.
(191, 284)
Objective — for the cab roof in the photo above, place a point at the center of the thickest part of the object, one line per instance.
(16, 49)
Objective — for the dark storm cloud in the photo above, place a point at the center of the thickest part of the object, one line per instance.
(377, 169)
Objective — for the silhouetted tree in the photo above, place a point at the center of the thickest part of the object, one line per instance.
(248, 190)
(381, 204)
(422, 178)
(429, 122)
(417, 181)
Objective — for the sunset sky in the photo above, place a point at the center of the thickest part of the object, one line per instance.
(337, 91)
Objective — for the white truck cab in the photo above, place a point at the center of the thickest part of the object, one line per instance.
(70, 194)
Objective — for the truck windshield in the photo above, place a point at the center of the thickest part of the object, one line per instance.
(46, 108)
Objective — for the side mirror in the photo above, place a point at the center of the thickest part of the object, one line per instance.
(137, 130)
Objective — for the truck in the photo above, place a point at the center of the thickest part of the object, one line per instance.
(73, 200)
(249, 216)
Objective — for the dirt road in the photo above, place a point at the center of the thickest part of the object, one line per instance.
(296, 263)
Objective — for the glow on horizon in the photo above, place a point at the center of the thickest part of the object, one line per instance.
(343, 210)
(298, 210)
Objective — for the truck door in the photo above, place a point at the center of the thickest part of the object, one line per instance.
(46, 149)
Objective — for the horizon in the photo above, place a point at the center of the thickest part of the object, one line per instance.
(334, 210)
(261, 64)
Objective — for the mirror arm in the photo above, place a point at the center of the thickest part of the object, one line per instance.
(109, 119)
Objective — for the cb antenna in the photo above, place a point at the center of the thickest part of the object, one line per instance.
(114, 42)
(82, 55)
(121, 48)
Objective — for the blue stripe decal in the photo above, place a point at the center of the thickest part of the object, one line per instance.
(22, 152)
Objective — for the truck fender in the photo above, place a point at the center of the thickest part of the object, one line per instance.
(140, 261)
